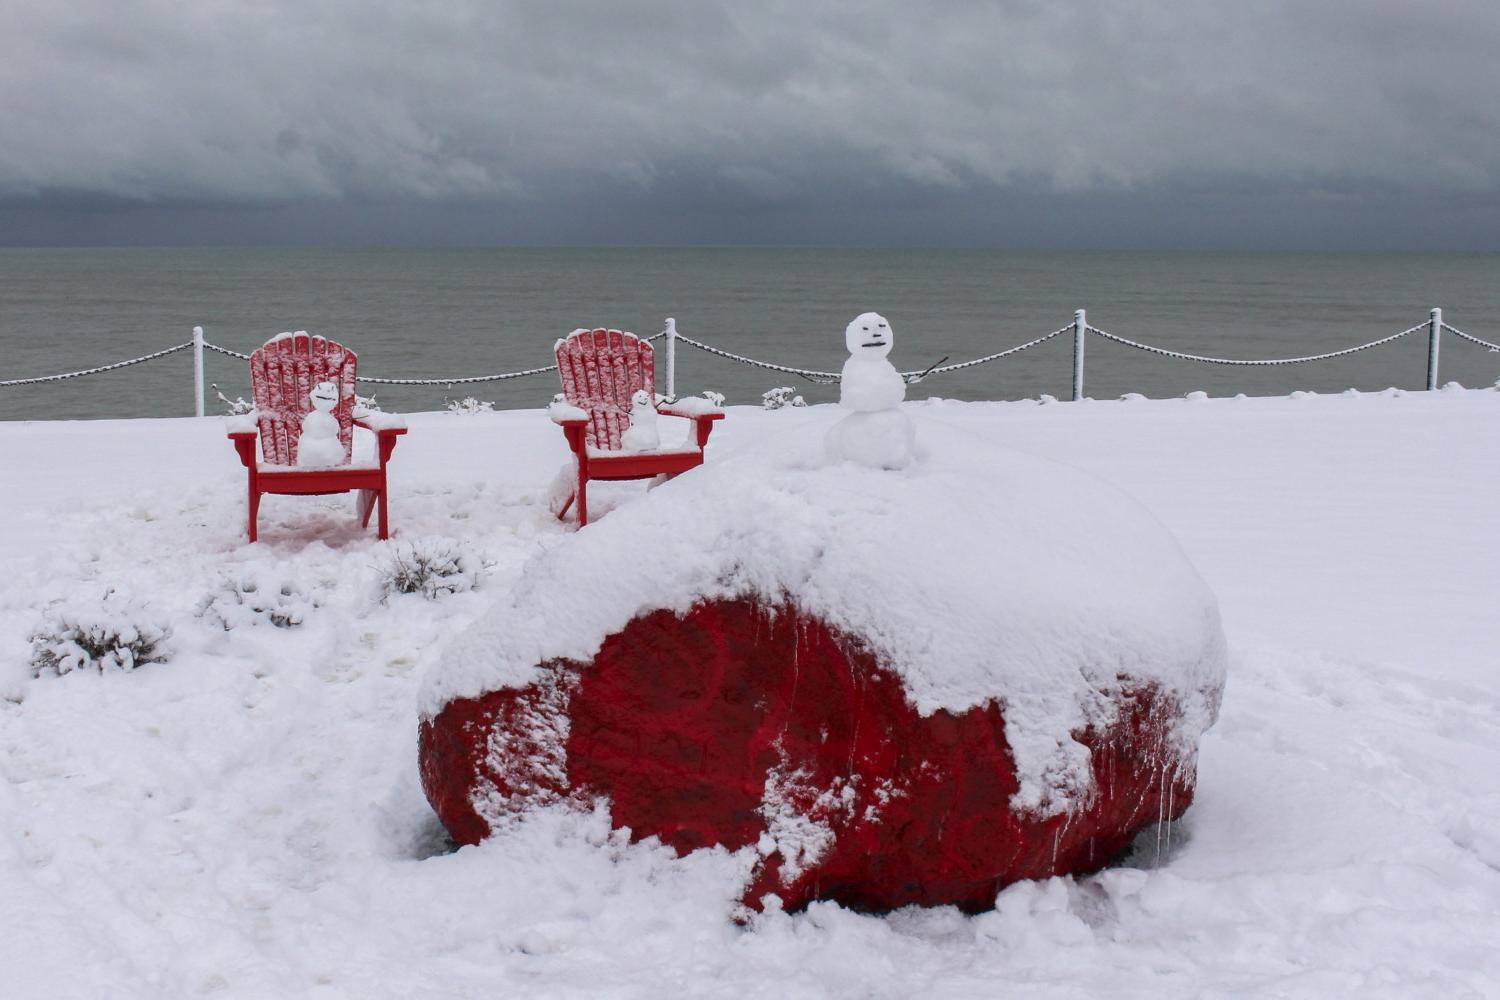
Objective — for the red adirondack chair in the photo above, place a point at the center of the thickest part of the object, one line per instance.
(600, 371)
(282, 375)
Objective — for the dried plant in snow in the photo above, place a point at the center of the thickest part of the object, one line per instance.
(431, 567)
(112, 634)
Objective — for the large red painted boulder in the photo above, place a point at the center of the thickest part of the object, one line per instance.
(892, 688)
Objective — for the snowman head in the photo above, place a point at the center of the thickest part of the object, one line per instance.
(641, 400)
(324, 397)
(869, 336)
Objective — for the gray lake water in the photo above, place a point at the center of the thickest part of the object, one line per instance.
(452, 313)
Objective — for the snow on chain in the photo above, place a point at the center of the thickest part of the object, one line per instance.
(814, 375)
(464, 380)
(1243, 361)
(829, 377)
(1470, 338)
(100, 369)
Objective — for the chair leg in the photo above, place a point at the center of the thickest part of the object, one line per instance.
(583, 499)
(385, 531)
(563, 513)
(254, 511)
(364, 502)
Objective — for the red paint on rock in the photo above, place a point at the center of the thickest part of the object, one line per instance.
(685, 725)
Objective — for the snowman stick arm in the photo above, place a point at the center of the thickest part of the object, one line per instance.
(914, 379)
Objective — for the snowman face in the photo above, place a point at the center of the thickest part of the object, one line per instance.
(869, 336)
(641, 399)
(324, 397)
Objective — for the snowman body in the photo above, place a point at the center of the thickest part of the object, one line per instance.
(318, 445)
(642, 434)
(877, 434)
(878, 439)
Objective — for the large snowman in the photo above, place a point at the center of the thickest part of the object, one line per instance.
(877, 433)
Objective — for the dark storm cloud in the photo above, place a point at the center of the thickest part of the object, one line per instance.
(670, 121)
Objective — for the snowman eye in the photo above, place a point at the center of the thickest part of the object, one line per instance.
(882, 326)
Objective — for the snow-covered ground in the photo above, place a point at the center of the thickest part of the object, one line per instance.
(245, 819)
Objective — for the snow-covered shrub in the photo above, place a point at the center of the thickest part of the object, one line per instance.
(432, 567)
(468, 405)
(234, 407)
(775, 399)
(717, 398)
(366, 404)
(113, 634)
(249, 600)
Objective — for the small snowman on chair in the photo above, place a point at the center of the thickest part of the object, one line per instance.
(642, 434)
(319, 446)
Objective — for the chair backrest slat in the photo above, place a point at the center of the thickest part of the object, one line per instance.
(283, 373)
(600, 370)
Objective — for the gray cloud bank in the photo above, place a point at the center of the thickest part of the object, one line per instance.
(1365, 124)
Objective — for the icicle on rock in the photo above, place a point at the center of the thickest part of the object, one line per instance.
(319, 444)
(877, 434)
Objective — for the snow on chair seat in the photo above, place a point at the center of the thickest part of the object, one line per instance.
(601, 370)
(296, 379)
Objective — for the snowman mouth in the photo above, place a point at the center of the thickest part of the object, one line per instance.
(874, 343)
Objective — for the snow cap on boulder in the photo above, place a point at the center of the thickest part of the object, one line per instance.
(979, 575)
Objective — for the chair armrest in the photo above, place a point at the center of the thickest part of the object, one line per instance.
(374, 420)
(244, 444)
(242, 423)
(700, 411)
(692, 407)
(385, 436)
(574, 421)
(566, 414)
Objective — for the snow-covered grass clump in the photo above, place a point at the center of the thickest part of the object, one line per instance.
(255, 597)
(468, 405)
(780, 397)
(431, 567)
(112, 633)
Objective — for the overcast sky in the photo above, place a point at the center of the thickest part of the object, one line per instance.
(1192, 123)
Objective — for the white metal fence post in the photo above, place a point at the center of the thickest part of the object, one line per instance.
(671, 332)
(1080, 326)
(198, 371)
(1435, 331)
